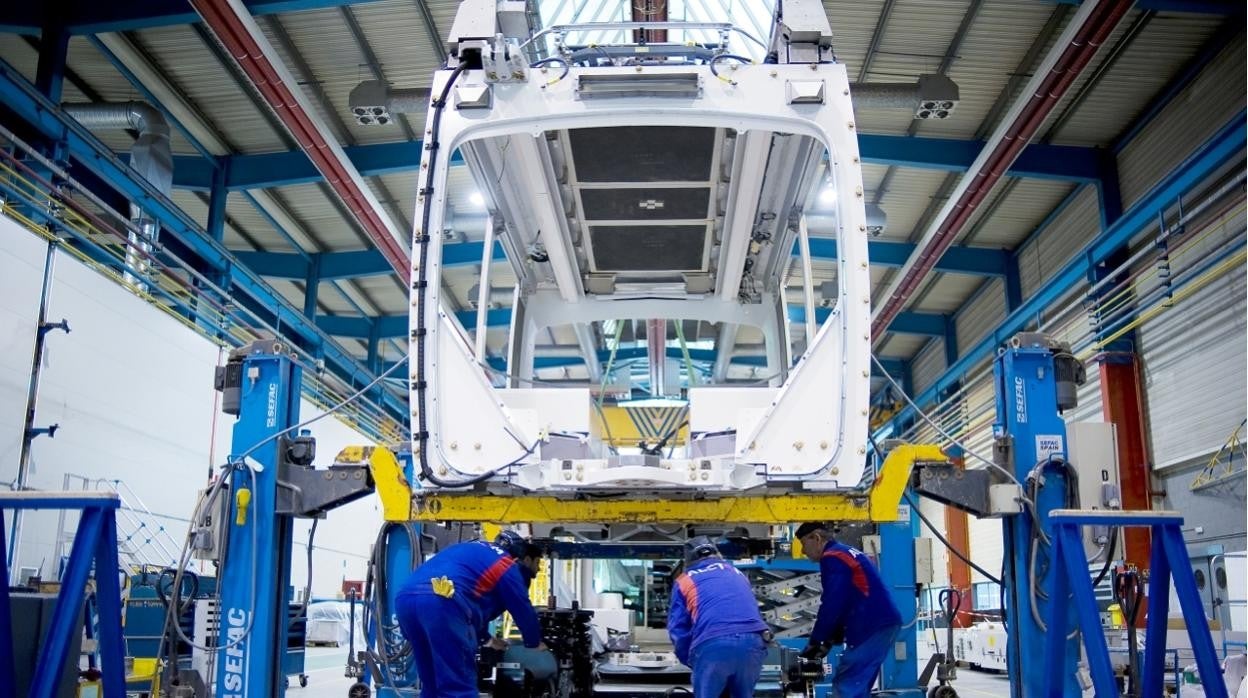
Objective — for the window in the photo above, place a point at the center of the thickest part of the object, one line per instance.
(987, 596)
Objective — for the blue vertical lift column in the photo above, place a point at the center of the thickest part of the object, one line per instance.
(253, 604)
(1035, 380)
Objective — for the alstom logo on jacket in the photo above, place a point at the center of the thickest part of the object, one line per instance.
(711, 599)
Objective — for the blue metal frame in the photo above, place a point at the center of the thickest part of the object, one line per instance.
(898, 572)
(98, 18)
(254, 578)
(95, 547)
(181, 233)
(1169, 558)
(1200, 7)
(1228, 142)
(1043, 161)
(1026, 404)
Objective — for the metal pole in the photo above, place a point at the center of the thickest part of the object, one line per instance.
(32, 395)
(808, 283)
(483, 289)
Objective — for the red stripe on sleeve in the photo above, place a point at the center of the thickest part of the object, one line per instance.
(690, 590)
(489, 579)
(860, 575)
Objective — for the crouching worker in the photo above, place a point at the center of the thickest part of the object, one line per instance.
(715, 624)
(446, 605)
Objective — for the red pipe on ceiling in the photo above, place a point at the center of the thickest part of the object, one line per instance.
(341, 176)
(1074, 58)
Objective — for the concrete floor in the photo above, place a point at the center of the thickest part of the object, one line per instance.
(325, 680)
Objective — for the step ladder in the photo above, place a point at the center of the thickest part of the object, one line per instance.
(1070, 578)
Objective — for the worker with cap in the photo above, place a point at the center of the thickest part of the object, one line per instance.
(855, 608)
(447, 603)
(715, 625)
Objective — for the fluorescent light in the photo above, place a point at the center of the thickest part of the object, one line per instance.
(827, 196)
(476, 198)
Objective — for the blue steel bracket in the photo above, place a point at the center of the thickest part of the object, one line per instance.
(40, 431)
(47, 327)
(1169, 559)
(94, 547)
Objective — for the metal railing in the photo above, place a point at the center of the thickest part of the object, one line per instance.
(141, 538)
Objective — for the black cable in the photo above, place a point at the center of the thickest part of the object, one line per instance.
(423, 237)
(724, 56)
(1109, 558)
(307, 587)
(956, 553)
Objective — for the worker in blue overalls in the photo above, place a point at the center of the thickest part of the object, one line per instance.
(855, 609)
(445, 606)
(715, 625)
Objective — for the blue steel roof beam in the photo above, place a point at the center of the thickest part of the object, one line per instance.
(1056, 162)
(48, 119)
(980, 261)
(213, 166)
(1198, 7)
(895, 366)
(101, 17)
(1224, 145)
(352, 264)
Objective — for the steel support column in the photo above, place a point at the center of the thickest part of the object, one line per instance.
(53, 49)
(255, 576)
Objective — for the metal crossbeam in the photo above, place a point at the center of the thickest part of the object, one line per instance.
(1060, 162)
(180, 233)
(1224, 145)
(102, 17)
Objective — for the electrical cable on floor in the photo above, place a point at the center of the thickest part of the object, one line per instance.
(945, 541)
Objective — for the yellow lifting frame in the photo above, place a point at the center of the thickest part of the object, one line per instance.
(878, 503)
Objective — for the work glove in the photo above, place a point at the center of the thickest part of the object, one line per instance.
(815, 651)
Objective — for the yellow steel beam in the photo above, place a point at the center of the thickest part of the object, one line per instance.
(879, 503)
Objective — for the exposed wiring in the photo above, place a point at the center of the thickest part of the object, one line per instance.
(945, 541)
(239, 465)
(905, 396)
(725, 56)
(419, 334)
(307, 586)
(547, 61)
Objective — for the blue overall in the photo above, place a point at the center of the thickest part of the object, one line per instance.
(716, 628)
(445, 605)
(855, 607)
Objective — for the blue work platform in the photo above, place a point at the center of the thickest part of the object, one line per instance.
(1070, 577)
(95, 543)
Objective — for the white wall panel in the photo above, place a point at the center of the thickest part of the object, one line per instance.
(1066, 234)
(928, 365)
(1212, 99)
(132, 391)
(1194, 359)
(981, 315)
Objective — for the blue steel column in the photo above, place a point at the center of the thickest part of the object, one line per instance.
(901, 666)
(399, 672)
(53, 48)
(255, 576)
(1026, 397)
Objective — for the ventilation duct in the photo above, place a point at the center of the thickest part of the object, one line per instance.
(151, 156)
(932, 97)
(374, 103)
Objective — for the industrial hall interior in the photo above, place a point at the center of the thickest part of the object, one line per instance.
(623, 348)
